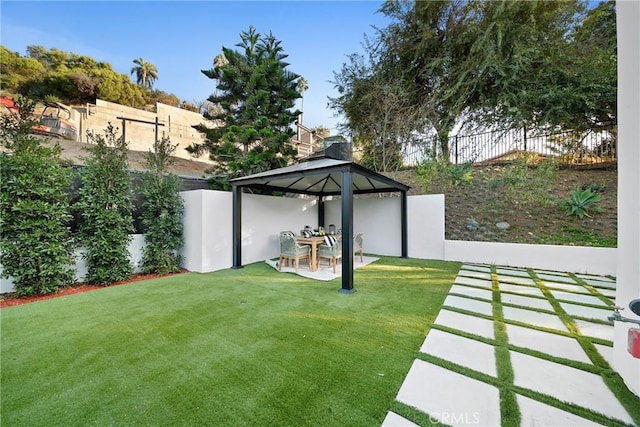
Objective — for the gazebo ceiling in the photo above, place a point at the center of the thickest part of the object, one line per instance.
(320, 177)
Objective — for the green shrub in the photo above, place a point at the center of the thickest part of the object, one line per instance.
(595, 188)
(521, 184)
(460, 174)
(35, 245)
(430, 171)
(427, 172)
(162, 213)
(106, 206)
(581, 201)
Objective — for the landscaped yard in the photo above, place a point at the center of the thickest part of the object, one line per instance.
(233, 347)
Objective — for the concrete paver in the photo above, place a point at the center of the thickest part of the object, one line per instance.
(594, 330)
(567, 384)
(476, 274)
(521, 289)
(534, 318)
(536, 413)
(526, 301)
(394, 420)
(554, 277)
(606, 352)
(553, 344)
(581, 298)
(518, 280)
(472, 291)
(471, 281)
(469, 304)
(449, 397)
(571, 287)
(466, 323)
(585, 311)
(512, 271)
(439, 343)
(598, 281)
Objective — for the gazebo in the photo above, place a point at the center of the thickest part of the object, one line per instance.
(321, 177)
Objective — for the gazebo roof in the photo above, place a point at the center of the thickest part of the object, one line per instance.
(320, 177)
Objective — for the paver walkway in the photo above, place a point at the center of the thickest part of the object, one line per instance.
(515, 345)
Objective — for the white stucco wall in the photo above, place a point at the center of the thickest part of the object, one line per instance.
(575, 259)
(628, 276)
(425, 223)
(207, 230)
(264, 217)
(208, 227)
(135, 255)
(377, 218)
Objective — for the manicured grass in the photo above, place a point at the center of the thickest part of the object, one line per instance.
(234, 347)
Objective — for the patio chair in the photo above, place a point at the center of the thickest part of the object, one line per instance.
(331, 250)
(357, 245)
(290, 250)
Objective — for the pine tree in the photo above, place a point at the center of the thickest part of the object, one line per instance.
(257, 95)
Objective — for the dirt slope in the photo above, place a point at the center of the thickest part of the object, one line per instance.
(473, 209)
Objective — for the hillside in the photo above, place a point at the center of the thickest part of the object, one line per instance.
(532, 208)
(528, 201)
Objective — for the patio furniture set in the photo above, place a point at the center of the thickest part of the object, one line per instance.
(314, 248)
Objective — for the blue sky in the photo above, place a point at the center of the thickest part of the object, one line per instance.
(182, 38)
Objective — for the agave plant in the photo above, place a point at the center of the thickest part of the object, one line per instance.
(581, 201)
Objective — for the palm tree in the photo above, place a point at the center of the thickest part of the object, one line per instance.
(302, 87)
(146, 73)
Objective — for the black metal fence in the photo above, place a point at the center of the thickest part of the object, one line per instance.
(569, 147)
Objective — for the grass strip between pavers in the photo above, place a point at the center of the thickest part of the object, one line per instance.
(509, 408)
(248, 347)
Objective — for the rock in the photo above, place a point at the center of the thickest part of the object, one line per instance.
(503, 225)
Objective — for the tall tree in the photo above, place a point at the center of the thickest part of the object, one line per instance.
(146, 73)
(162, 213)
(423, 46)
(257, 94)
(521, 71)
(379, 110)
(106, 206)
(35, 242)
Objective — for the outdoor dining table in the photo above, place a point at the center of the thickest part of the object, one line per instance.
(314, 241)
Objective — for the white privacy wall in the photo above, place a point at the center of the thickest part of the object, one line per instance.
(425, 222)
(379, 218)
(208, 222)
(135, 255)
(264, 217)
(628, 277)
(575, 259)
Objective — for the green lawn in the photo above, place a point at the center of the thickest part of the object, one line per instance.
(234, 347)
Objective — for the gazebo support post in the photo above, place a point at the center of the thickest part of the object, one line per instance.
(347, 233)
(403, 221)
(320, 211)
(236, 238)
